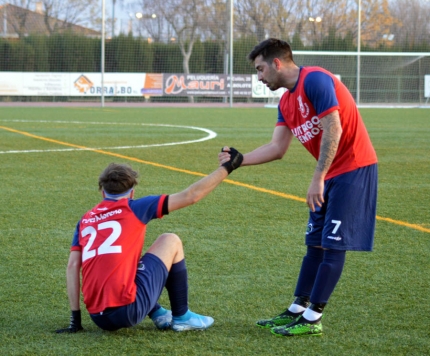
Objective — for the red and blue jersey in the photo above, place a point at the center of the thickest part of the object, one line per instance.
(111, 237)
(316, 94)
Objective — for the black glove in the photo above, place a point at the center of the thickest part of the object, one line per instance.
(236, 159)
(75, 323)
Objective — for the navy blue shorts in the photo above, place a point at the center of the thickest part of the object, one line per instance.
(150, 280)
(347, 219)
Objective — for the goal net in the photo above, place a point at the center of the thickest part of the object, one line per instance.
(185, 51)
(379, 79)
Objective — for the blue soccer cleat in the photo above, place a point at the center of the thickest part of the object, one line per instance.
(162, 319)
(191, 321)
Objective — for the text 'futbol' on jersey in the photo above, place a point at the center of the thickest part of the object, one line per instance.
(110, 237)
(316, 94)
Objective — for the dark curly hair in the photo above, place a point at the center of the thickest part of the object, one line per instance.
(270, 49)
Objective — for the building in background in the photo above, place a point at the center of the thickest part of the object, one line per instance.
(16, 22)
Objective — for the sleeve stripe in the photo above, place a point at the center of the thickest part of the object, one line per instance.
(160, 206)
(328, 111)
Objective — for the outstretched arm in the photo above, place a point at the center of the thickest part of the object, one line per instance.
(332, 131)
(197, 191)
(204, 186)
(274, 150)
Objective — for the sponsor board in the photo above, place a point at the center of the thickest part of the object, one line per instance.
(117, 84)
(427, 86)
(180, 84)
(80, 84)
(260, 90)
(137, 84)
(37, 84)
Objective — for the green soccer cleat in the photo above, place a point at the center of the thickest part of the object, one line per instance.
(298, 328)
(285, 318)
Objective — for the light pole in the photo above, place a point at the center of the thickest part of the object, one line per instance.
(315, 20)
(113, 17)
(102, 60)
(231, 52)
(358, 52)
(140, 16)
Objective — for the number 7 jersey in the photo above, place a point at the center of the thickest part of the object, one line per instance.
(110, 237)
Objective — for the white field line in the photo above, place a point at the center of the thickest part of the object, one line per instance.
(210, 135)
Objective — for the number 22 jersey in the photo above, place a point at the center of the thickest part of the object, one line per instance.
(111, 237)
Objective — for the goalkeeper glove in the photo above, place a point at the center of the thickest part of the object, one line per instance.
(75, 323)
(236, 159)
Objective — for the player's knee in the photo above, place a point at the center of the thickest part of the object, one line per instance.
(171, 240)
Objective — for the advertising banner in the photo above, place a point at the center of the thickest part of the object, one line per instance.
(260, 90)
(117, 84)
(80, 84)
(206, 84)
(427, 86)
(34, 84)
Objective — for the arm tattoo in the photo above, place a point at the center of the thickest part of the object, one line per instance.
(332, 131)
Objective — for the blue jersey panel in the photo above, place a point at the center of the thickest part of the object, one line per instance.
(319, 88)
(280, 116)
(146, 208)
(75, 241)
(346, 221)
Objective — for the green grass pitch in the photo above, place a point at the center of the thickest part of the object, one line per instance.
(243, 243)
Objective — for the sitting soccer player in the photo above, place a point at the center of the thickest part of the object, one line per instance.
(120, 289)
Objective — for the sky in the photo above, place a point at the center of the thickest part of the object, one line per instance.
(124, 14)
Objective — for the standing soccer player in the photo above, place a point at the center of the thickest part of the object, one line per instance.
(118, 286)
(320, 112)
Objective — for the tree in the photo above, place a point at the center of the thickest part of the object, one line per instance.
(412, 26)
(320, 17)
(58, 15)
(285, 19)
(187, 19)
(17, 18)
(376, 21)
(61, 14)
(311, 20)
(152, 24)
(264, 19)
(253, 17)
(218, 27)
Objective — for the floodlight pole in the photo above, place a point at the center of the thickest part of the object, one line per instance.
(231, 53)
(358, 53)
(102, 60)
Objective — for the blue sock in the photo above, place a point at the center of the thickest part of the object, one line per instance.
(158, 312)
(177, 288)
(308, 271)
(328, 275)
